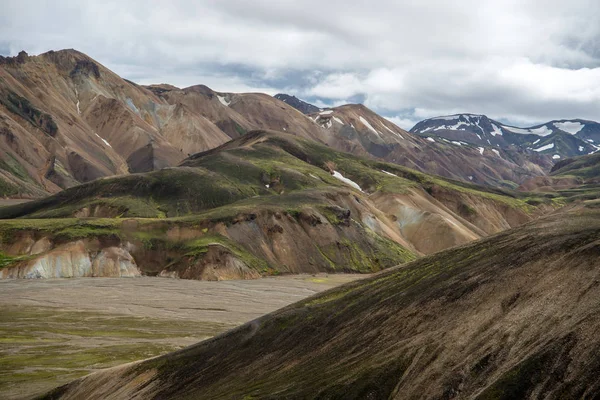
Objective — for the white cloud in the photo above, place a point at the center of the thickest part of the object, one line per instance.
(518, 60)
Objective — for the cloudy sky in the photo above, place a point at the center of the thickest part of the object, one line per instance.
(519, 61)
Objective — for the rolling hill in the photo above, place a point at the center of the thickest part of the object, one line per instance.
(267, 202)
(512, 316)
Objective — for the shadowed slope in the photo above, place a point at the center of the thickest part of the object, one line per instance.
(512, 316)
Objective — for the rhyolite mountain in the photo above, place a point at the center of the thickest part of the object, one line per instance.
(65, 119)
(300, 105)
(514, 316)
(264, 203)
(558, 139)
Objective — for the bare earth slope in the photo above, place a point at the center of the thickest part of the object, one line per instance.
(511, 316)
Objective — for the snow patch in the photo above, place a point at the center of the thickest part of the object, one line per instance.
(496, 131)
(389, 173)
(101, 138)
(470, 177)
(546, 147)
(541, 131)
(555, 157)
(570, 127)
(456, 143)
(481, 149)
(326, 112)
(446, 117)
(223, 101)
(431, 140)
(346, 180)
(368, 125)
(339, 121)
(497, 152)
(580, 148)
(537, 141)
(391, 131)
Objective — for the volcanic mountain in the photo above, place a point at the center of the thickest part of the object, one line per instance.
(302, 106)
(66, 119)
(267, 202)
(556, 139)
(512, 316)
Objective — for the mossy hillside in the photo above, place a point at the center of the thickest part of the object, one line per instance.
(7, 261)
(258, 164)
(171, 192)
(7, 189)
(367, 252)
(404, 318)
(368, 174)
(195, 249)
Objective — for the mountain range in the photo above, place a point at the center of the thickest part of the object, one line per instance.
(559, 139)
(482, 238)
(65, 119)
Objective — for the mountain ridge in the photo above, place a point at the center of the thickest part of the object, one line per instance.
(557, 138)
(66, 119)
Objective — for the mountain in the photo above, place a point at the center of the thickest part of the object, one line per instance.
(65, 119)
(364, 132)
(264, 203)
(558, 139)
(575, 180)
(302, 106)
(513, 316)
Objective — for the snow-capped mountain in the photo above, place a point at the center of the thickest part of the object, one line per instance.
(560, 138)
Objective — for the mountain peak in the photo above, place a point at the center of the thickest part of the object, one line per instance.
(300, 105)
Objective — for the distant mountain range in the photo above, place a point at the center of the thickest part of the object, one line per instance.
(559, 139)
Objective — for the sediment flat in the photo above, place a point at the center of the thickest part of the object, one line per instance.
(52, 331)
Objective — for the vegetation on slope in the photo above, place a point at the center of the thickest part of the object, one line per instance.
(511, 316)
(258, 164)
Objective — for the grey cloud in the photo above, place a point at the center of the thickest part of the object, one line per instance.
(516, 60)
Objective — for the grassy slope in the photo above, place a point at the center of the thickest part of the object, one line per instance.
(586, 168)
(511, 316)
(241, 170)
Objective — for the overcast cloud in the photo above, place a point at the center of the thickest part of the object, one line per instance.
(520, 61)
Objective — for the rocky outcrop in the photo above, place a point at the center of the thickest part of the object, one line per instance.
(217, 264)
(73, 260)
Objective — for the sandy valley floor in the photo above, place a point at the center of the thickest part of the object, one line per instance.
(52, 331)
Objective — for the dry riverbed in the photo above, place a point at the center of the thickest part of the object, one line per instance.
(52, 331)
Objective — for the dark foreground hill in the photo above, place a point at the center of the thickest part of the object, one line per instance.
(509, 317)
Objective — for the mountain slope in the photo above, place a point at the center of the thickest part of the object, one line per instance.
(66, 119)
(512, 316)
(361, 131)
(558, 139)
(302, 106)
(282, 203)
